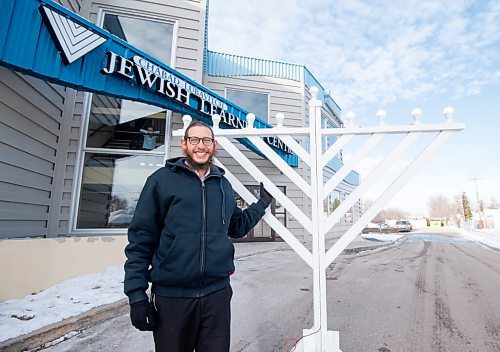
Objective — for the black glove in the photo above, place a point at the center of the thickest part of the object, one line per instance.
(265, 196)
(142, 315)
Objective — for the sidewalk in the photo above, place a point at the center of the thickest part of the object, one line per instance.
(487, 237)
(76, 304)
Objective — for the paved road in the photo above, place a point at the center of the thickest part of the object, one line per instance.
(433, 292)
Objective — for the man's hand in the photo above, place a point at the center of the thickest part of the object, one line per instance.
(265, 196)
(142, 315)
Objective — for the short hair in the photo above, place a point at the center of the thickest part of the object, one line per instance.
(198, 124)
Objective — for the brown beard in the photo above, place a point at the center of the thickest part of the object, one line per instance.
(196, 165)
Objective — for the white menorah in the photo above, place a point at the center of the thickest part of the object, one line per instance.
(319, 338)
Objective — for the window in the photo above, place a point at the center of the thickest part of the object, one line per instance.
(332, 202)
(330, 140)
(324, 139)
(124, 140)
(262, 231)
(111, 185)
(256, 103)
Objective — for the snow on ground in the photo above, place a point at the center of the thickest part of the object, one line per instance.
(488, 237)
(64, 300)
(76, 296)
(80, 294)
(382, 237)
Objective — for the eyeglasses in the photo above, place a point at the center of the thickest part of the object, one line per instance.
(196, 140)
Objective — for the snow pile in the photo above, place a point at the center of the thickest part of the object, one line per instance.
(67, 299)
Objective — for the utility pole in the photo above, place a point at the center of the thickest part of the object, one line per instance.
(478, 202)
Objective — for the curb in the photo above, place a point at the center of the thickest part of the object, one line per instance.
(366, 248)
(43, 337)
(47, 336)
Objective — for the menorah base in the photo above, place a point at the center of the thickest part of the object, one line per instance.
(308, 342)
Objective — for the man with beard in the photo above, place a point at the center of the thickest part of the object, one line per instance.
(178, 241)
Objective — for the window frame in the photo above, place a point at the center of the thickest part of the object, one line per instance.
(256, 92)
(87, 103)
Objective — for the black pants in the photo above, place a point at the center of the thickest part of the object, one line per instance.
(186, 324)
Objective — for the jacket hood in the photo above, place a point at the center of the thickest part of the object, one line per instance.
(179, 162)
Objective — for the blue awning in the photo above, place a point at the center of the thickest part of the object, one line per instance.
(43, 39)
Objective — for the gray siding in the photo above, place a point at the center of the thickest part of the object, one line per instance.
(40, 124)
(30, 122)
(72, 5)
(189, 15)
(285, 96)
(66, 162)
(58, 224)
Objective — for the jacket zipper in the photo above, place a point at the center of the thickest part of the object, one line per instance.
(203, 234)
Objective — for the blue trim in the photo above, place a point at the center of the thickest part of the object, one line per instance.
(352, 177)
(205, 39)
(21, 22)
(323, 95)
(227, 65)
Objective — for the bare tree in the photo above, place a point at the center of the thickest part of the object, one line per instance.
(395, 213)
(366, 204)
(389, 213)
(441, 207)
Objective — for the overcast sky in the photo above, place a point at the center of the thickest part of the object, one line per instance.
(373, 55)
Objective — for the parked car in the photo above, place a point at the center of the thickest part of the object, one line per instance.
(403, 226)
(382, 227)
(371, 227)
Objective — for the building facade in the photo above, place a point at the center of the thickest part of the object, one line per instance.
(73, 162)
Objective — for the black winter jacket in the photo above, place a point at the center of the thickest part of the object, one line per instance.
(178, 236)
